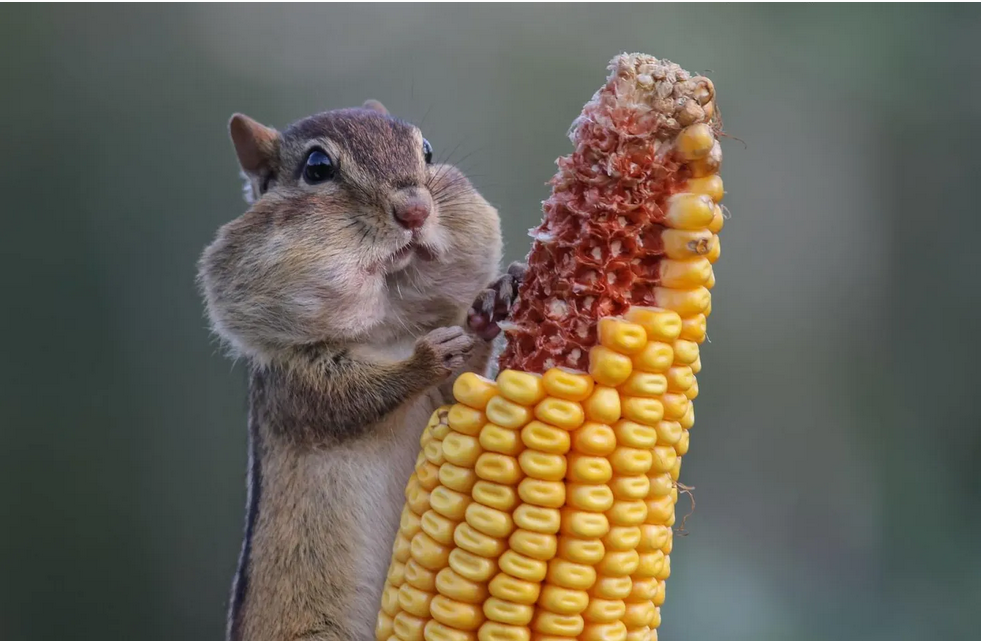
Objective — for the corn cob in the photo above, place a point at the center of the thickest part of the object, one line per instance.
(542, 502)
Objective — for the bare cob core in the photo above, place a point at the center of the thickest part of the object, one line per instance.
(604, 243)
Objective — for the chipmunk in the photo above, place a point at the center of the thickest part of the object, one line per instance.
(362, 279)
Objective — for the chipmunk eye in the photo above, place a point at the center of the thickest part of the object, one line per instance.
(427, 151)
(319, 167)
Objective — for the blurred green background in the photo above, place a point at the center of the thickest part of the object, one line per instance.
(838, 436)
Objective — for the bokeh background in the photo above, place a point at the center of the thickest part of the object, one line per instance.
(835, 457)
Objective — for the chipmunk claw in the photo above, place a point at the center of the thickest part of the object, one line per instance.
(493, 304)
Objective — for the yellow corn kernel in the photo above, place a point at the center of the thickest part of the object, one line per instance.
(428, 553)
(401, 549)
(619, 563)
(567, 384)
(424, 440)
(563, 600)
(461, 449)
(603, 405)
(602, 610)
(390, 600)
(560, 413)
(408, 627)
(695, 142)
(436, 631)
(428, 475)
(675, 405)
(638, 614)
(506, 612)
(535, 518)
(593, 498)
(489, 521)
(416, 498)
(684, 301)
(665, 569)
(495, 495)
(608, 367)
(676, 469)
(688, 420)
(498, 468)
(660, 510)
(473, 390)
(684, 274)
(594, 439)
(466, 420)
(458, 588)
(421, 457)
(630, 487)
(475, 541)
(653, 537)
(563, 625)
(522, 567)
(588, 469)
(450, 503)
(521, 387)
(634, 434)
(495, 438)
(685, 352)
(693, 328)
(441, 430)
(659, 324)
(681, 447)
(384, 627)
(409, 522)
(541, 493)
(462, 616)
(434, 452)
(587, 551)
(419, 577)
(649, 565)
(542, 465)
(692, 392)
(661, 484)
(396, 573)
(630, 460)
(585, 525)
(413, 601)
(710, 185)
(615, 631)
(622, 537)
(567, 574)
(642, 589)
(545, 438)
(509, 588)
(507, 413)
(680, 378)
(718, 220)
(472, 566)
(438, 527)
(611, 587)
(664, 458)
(627, 513)
(456, 478)
(644, 384)
(658, 601)
(656, 357)
(536, 545)
(621, 336)
(668, 432)
(494, 631)
(713, 253)
(647, 411)
(689, 211)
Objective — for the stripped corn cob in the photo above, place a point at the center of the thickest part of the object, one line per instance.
(542, 502)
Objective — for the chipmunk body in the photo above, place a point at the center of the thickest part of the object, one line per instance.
(360, 282)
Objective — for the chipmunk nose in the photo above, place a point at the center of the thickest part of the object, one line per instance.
(411, 209)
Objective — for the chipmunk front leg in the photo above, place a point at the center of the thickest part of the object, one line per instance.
(338, 396)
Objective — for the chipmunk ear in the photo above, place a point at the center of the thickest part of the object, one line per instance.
(256, 145)
(374, 105)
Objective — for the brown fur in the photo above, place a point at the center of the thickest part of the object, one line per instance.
(349, 354)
